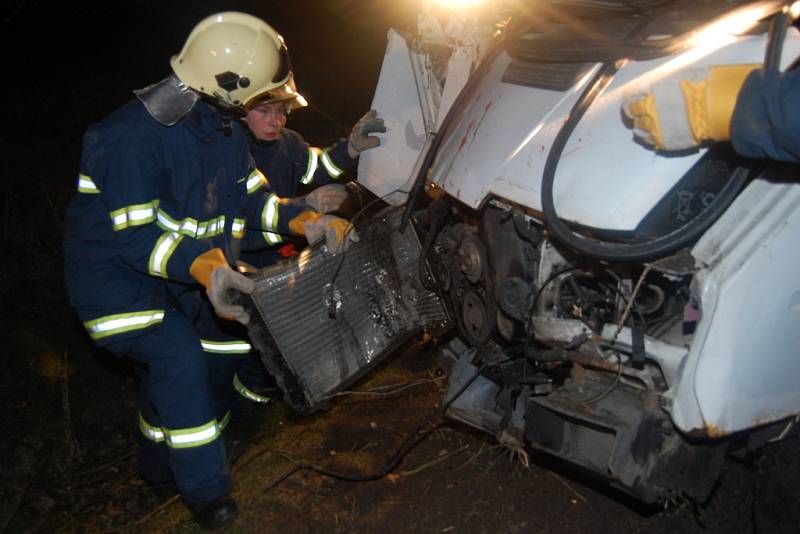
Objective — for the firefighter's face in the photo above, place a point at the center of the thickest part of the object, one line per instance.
(267, 121)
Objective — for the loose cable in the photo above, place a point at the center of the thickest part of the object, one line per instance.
(332, 300)
(412, 440)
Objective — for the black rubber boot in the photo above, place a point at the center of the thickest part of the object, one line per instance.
(214, 514)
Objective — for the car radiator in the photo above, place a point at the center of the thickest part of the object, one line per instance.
(323, 320)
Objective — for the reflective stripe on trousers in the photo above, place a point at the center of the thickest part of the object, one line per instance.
(176, 405)
(247, 393)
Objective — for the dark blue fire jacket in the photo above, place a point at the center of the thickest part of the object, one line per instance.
(290, 163)
(766, 120)
(150, 200)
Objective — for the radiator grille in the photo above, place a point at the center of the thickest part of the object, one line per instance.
(378, 305)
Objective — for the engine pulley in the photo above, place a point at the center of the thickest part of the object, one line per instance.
(475, 319)
(472, 258)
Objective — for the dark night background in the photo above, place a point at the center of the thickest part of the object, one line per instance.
(69, 64)
(66, 65)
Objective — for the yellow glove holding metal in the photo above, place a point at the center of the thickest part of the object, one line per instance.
(211, 269)
(327, 198)
(681, 113)
(338, 232)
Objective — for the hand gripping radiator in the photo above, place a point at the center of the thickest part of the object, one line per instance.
(320, 326)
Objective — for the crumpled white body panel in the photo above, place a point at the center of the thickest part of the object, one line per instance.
(605, 179)
(741, 369)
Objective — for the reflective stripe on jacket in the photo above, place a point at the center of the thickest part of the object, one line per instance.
(150, 200)
(289, 162)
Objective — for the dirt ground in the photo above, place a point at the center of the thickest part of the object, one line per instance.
(70, 465)
(68, 460)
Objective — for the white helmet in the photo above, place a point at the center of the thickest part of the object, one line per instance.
(283, 93)
(233, 57)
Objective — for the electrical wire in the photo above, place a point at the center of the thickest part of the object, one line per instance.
(413, 439)
(439, 213)
(388, 391)
(629, 308)
(623, 319)
(328, 116)
(350, 228)
(610, 388)
(548, 281)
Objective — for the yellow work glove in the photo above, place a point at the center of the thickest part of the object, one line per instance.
(338, 232)
(327, 198)
(680, 113)
(211, 269)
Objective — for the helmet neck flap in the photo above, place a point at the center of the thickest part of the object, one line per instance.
(167, 101)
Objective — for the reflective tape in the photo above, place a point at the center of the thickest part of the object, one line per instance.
(313, 163)
(272, 238)
(211, 228)
(154, 433)
(269, 216)
(246, 393)
(330, 166)
(162, 252)
(86, 185)
(122, 322)
(187, 226)
(226, 347)
(269, 220)
(190, 227)
(134, 215)
(238, 227)
(185, 438)
(256, 181)
(151, 432)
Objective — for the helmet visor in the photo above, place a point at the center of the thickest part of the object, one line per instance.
(284, 65)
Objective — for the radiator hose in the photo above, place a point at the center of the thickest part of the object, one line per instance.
(667, 243)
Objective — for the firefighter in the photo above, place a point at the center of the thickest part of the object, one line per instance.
(754, 108)
(166, 190)
(293, 166)
(284, 155)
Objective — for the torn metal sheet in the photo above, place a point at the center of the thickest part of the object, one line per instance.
(319, 330)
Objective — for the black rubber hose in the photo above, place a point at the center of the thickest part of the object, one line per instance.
(777, 36)
(662, 245)
(613, 251)
(439, 213)
(415, 437)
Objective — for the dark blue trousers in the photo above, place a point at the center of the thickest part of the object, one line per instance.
(178, 419)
